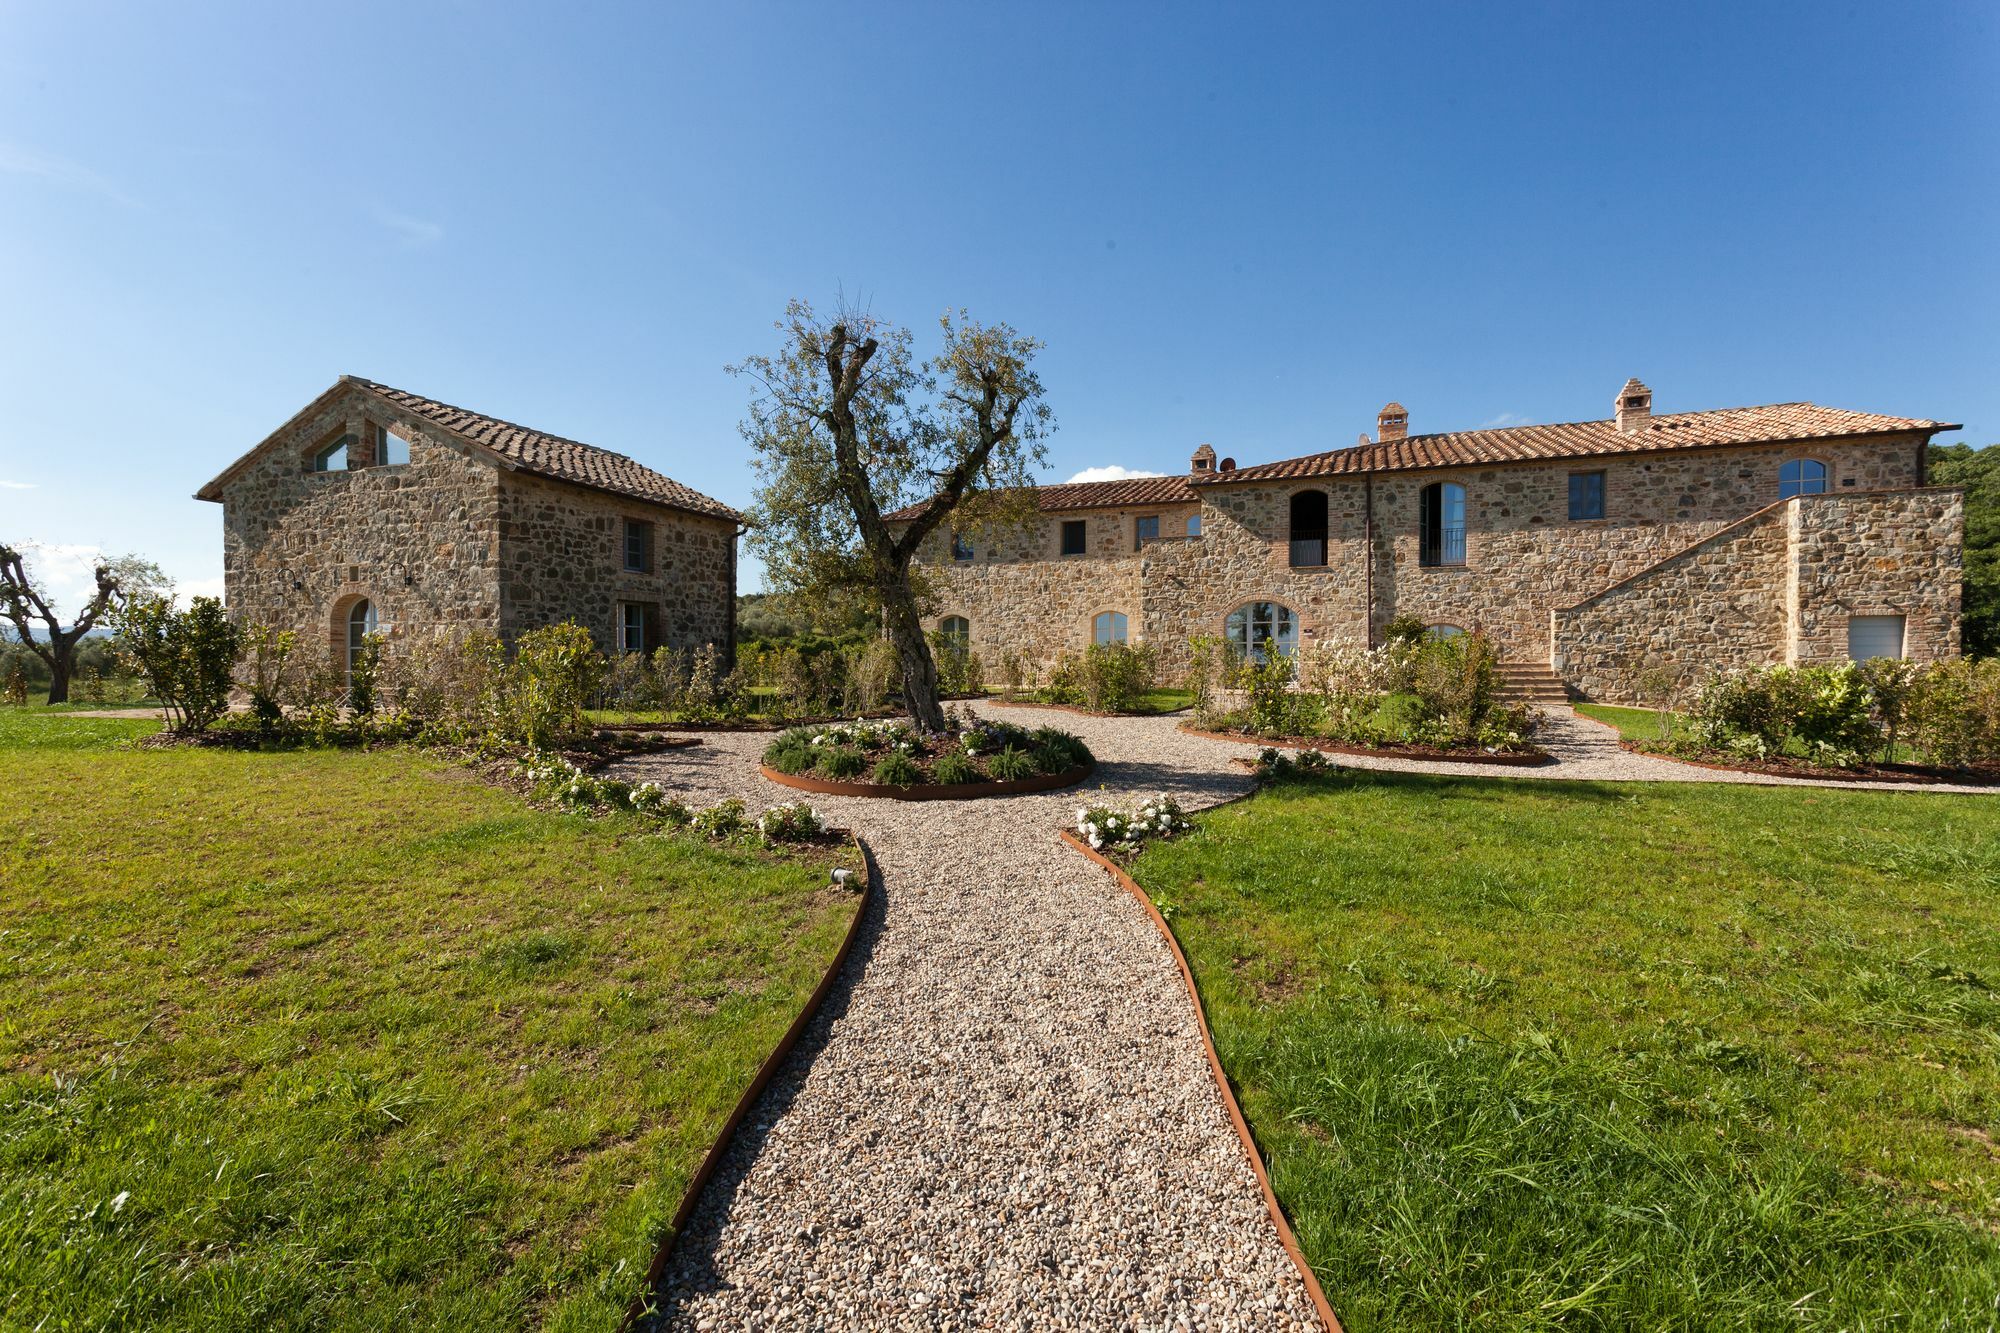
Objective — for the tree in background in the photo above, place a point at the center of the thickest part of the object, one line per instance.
(24, 599)
(1978, 471)
(849, 426)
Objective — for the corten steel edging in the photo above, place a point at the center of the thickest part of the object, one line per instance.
(953, 791)
(1504, 759)
(1285, 1236)
(711, 1161)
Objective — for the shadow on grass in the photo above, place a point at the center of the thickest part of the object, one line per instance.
(691, 1268)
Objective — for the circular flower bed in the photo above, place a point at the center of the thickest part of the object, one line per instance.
(974, 757)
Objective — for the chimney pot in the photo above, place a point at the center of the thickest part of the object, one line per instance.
(1392, 423)
(1634, 406)
(1203, 462)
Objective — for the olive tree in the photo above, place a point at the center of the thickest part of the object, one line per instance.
(25, 599)
(849, 426)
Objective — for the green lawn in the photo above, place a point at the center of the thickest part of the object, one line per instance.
(1634, 724)
(1538, 1055)
(329, 1040)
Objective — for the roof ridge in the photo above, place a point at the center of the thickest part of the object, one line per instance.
(380, 387)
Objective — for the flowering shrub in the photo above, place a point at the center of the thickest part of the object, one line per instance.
(795, 822)
(1412, 690)
(1157, 817)
(1845, 714)
(1105, 677)
(895, 754)
(724, 820)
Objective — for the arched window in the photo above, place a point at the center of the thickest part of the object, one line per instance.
(956, 628)
(1801, 476)
(1441, 535)
(1108, 627)
(1442, 631)
(361, 622)
(1256, 626)
(1309, 528)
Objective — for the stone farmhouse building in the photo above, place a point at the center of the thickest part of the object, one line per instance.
(1598, 551)
(374, 510)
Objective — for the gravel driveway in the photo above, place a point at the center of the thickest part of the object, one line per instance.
(1003, 1116)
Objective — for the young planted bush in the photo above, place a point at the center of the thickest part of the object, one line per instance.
(188, 658)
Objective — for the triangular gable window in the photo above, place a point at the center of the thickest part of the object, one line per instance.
(333, 457)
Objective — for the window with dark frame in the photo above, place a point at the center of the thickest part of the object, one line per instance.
(1586, 495)
(1308, 530)
(1194, 525)
(333, 457)
(1801, 476)
(634, 627)
(1145, 530)
(1441, 524)
(391, 449)
(638, 546)
(961, 549)
(1075, 541)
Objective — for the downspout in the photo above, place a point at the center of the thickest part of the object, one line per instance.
(735, 536)
(1368, 540)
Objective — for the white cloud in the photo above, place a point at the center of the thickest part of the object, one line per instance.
(1112, 473)
(414, 233)
(18, 161)
(17, 485)
(197, 588)
(67, 574)
(1504, 419)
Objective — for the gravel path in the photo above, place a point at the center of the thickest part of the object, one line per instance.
(1003, 1116)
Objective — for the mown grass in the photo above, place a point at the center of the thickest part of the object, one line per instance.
(352, 1041)
(1538, 1055)
(1634, 724)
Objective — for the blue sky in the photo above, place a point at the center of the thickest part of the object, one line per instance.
(1246, 226)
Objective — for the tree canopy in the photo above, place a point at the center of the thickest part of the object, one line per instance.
(849, 426)
(1978, 471)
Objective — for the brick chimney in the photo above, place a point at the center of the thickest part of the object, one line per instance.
(1635, 406)
(1203, 462)
(1392, 423)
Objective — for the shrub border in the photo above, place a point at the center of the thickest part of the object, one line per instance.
(1242, 1127)
(999, 702)
(642, 1304)
(1504, 759)
(948, 791)
(1902, 775)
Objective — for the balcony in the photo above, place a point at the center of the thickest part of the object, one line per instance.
(1445, 546)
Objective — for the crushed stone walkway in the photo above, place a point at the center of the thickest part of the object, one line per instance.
(1003, 1116)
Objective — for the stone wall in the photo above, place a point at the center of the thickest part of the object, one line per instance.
(1718, 604)
(420, 540)
(1778, 586)
(1524, 556)
(563, 558)
(450, 542)
(1020, 594)
(1897, 553)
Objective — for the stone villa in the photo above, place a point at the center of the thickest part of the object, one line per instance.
(374, 510)
(1598, 550)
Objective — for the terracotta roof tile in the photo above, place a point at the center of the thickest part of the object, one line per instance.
(1124, 493)
(1770, 424)
(554, 456)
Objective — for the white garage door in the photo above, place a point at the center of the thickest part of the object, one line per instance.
(1874, 636)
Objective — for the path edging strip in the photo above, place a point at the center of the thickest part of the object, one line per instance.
(642, 1304)
(1285, 1236)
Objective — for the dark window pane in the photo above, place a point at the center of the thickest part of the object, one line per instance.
(1073, 537)
(1586, 495)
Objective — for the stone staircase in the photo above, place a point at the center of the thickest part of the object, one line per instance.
(1531, 683)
